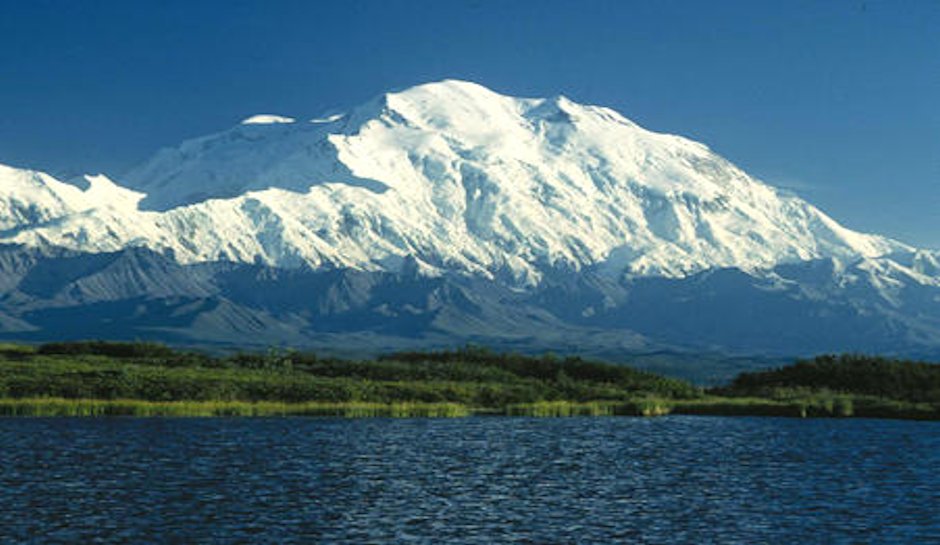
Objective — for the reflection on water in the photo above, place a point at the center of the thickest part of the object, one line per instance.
(475, 480)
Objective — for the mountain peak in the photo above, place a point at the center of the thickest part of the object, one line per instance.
(447, 88)
(463, 179)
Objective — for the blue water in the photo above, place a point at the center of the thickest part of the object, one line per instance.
(479, 480)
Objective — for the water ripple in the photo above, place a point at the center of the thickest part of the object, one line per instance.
(475, 480)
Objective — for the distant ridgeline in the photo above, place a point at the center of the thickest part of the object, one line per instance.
(96, 378)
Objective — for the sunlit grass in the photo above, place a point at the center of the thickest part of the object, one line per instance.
(59, 407)
(16, 349)
(822, 406)
(838, 407)
(638, 407)
(560, 409)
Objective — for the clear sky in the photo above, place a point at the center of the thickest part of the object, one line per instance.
(837, 100)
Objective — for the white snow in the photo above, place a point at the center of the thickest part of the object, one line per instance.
(267, 119)
(460, 178)
(333, 118)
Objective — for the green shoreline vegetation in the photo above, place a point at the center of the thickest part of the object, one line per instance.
(96, 378)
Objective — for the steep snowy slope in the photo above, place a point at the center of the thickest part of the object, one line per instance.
(38, 210)
(458, 177)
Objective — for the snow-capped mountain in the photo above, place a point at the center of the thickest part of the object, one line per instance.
(451, 173)
(451, 179)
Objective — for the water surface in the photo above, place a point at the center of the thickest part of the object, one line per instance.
(475, 480)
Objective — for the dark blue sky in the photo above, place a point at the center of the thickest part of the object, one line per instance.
(839, 101)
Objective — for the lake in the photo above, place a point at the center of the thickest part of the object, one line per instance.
(475, 480)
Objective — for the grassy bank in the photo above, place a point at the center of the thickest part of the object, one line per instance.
(141, 379)
(712, 406)
(474, 378)
(49, 407)
(844, 406)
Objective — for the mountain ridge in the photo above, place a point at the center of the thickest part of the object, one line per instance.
(447, 212)
(458, 177)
